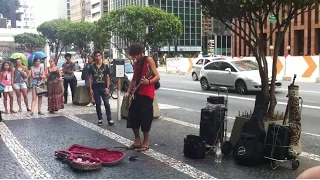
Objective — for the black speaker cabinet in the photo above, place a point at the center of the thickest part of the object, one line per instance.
(277, 141)
(212, 125)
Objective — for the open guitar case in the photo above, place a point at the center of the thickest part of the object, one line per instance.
(87, 158)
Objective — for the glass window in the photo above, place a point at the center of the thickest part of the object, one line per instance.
(198, 36)
(225, 65)
(198, 10)
(212, 66)
(175, 10)
(175, 4)
(198, 24)
(187, 11)
(200, 62)
(198, 42)
(169, 9)
(163, 2)
(169, 3)
(187, 36)
(181, 42)
(187, 4)
(193, 35)
(193, 17)
(181, 10)
(187, 42)
(245, 65)
(198, 18)
(193, 42)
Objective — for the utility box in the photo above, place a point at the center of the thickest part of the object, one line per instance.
(118, 68)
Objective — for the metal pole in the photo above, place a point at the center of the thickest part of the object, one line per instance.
(221, 47)
(226, 45)
(319, 66)
(118, 99)
(285, 66)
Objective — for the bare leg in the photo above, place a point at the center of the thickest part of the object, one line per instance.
(11, 102)
(145, 139)
(34, 99)
(137, 140)
(5, 99)
(25, 98)
(39, 105)
(18, 93)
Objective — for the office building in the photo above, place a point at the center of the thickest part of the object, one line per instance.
(77, 10)
(301, 38)
(98, 8)
(27, 16)
(189, 12)
(87, 11)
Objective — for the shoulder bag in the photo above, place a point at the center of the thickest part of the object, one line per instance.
(156, 84)
(41, 89)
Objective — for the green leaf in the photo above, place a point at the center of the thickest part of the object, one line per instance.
(30, 41)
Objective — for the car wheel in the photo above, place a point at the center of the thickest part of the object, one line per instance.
(241, 87)
(204, 84)
(194, 76)
(125, 86)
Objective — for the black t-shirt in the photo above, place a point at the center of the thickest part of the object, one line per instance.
(99, 75)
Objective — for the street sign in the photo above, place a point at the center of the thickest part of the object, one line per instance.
(273, 18)
(119, 68)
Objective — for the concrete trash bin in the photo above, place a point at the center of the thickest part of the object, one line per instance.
(81, 97)
(124, 111)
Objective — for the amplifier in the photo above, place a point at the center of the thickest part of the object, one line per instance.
(277, 141)
(212, 125)
(216, 99)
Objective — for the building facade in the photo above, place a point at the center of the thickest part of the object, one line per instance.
(189, 12)
(301, 38)
(77, 10)
(27, 16)
(98, 8)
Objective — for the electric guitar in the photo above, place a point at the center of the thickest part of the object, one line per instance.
(132, 95)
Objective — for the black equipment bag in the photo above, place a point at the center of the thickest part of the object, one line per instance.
(248, 150)
(194, 147)
(277, 141)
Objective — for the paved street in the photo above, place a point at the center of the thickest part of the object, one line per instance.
(28, 144)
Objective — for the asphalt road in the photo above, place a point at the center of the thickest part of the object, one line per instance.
(27, 144)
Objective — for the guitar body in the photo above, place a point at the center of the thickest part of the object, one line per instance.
(129, 102)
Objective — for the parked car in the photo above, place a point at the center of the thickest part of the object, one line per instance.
(200, 62)
(128, 70)
(240, 75)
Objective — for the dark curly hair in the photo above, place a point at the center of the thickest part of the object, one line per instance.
(67, 55)
(135, 49)
(35, 59)
(96, 52)
(4, 63)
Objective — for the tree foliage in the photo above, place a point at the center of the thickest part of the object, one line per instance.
(5, 9)
(235, 14)
(51, 31)
(102, 33)
(29, 41)
(145, 25)
(79, 35)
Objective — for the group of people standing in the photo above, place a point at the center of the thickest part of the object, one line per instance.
(15, 78)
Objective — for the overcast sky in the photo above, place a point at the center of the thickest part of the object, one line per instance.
(45, 10)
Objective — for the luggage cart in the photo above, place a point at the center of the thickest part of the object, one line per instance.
(221, 102)
(275, 163)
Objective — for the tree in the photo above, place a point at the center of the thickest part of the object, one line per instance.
(102, 33)
(144, 25)
(29, 41)
(51, 31)
(234, 14)
(5, 9)
(79, 35)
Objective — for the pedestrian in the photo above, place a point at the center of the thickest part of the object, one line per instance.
(99, 83)
(37, 74)
(54, 87)
(70, 79)
(6, 80)
(141, 109)
(20, 76)
(85, 77)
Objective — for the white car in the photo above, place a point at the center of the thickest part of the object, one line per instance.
(200, 62)
(240, 75)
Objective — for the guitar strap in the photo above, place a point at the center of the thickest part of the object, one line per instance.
(140, 70)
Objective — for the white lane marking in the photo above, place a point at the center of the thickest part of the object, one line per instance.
(192, 82)
(180, 166)
(233, 118)
(167, 106)
(317, 92)
(25, 159)
(303, 154)
(232, 97)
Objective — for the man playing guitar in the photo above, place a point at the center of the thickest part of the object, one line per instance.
(141, 109)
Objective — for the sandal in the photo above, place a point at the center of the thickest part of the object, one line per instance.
(40, 113)
(142, 149)
(133, 146)
(31, 114)
(28, 109)
(13, 112)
